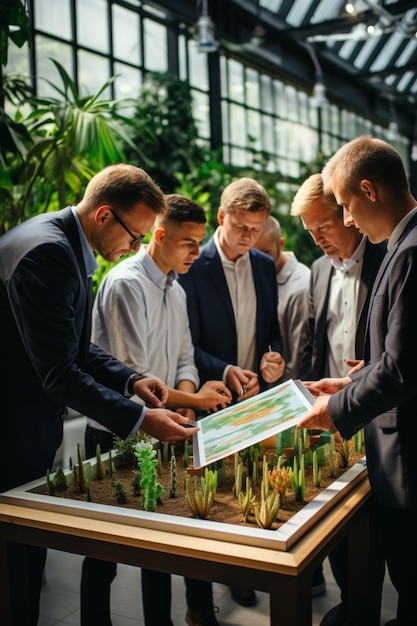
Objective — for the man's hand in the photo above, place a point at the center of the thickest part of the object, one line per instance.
(152, 391)
(318, 418)
(355, 365)
(272, 366)
(326, 385)
(212, 395)
(166, 426)
(243, 382)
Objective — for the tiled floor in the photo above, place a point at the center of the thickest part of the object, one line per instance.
(60, 594)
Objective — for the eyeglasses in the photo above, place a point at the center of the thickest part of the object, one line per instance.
(135, 240)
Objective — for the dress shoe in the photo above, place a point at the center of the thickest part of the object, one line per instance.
(337, 616)
(202, 617)
(318, 584)
(245, 597)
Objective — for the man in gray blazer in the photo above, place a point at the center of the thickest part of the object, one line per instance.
(369, 182)
(47, 360)
(338, 304)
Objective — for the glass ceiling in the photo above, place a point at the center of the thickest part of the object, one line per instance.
(375, 41)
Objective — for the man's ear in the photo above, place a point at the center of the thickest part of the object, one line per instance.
(368, 188)
(102, 213)
(220, 216)
(159, 234)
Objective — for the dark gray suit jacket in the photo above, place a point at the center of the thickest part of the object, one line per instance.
(383, 396)
(47, 361)
(316, 351)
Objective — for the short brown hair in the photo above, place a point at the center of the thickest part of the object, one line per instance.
(122, 186)
(181, 209)
(366, 157)
(245, 194)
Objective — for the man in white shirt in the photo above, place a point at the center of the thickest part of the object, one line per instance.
(140, 314)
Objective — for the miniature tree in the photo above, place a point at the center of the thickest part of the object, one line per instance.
(152, 489)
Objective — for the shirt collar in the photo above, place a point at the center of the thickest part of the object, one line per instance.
(399, 229)
(157, 276)
(347, 264)
(90, 260)
(225, 261)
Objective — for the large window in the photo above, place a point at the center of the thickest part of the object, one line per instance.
(257, 119)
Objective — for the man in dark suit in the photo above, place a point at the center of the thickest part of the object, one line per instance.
(369, 182)
(339, 295)
(232, 303)
(47, 360)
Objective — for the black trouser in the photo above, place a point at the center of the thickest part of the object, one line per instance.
(400, 549)
(25, 614)
(97, 575)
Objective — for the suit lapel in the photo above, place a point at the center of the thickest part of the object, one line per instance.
(215, 270)
(71, 230)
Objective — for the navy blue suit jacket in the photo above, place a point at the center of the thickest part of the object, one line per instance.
(211, 316)
(47, 360)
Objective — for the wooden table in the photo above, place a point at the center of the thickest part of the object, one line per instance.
(286, 576)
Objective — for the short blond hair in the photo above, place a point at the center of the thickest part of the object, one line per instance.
(311, 190)
(245, 194)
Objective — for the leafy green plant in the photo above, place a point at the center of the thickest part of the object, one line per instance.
(166, 103)
(250, 457)
(121, 496)
(173, 477)
(266, 513)
(246, 500)
(152, 489)
(100, 469)
(81, 472)
(316, 470)
(298, 479)
(200, 497)
(126, 448)
(279, 479)
(136, 483)
(63, 141)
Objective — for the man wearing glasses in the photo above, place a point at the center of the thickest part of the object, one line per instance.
(48, 362)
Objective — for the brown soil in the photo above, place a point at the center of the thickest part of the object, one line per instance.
(226, 508)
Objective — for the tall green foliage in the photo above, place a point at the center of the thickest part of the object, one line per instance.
(166, 102)
(67, 139)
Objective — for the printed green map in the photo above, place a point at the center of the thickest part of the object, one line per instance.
(245, 423)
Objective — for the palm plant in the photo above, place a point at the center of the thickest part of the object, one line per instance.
(64, 141)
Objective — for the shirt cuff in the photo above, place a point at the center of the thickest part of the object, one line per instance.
(139, 422)
(225, 371)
